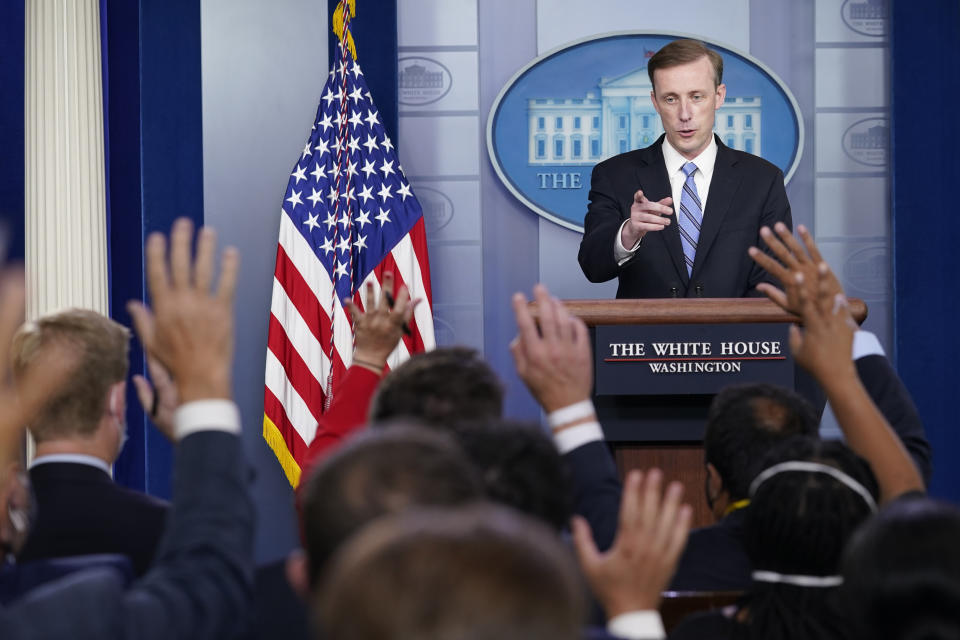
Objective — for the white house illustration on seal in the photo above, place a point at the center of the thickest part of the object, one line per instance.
(584, 131)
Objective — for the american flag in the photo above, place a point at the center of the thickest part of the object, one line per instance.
(348, 215)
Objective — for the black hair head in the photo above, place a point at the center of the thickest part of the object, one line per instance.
(902, 572)
(797, 525)
(520, 466)
(443, 387)
(744, 423)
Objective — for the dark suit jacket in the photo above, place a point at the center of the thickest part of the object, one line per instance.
(81, 511)
(888, 392)
(200, 586)
(19, 578)
(715, 559)
(278, 612)
(746, 193)
(596, 490)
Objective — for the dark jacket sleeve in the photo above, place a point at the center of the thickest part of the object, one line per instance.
(347, 413)
(200, 586)
(776, 209)
(604, 216)
(596, 490)
(888, 392)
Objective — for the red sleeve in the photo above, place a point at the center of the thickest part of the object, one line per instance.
(346, 414)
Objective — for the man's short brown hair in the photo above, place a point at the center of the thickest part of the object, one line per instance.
(681, 52)
(381, 471)
(453, 574)
(102, 347)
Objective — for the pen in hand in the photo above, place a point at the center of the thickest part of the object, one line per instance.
(406, 325)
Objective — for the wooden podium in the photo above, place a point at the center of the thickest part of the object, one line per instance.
(661, 422)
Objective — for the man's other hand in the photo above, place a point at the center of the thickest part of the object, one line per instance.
(555, 362)
(189, 329)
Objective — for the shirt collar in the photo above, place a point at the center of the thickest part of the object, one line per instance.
(705, 161)
(74, 458)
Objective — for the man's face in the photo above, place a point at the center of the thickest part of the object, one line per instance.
(687, 102)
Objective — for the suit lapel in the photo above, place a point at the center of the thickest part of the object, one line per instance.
(653, 178)
(723, 186)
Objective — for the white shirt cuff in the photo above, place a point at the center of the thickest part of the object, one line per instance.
(620, 253)
(206, 415)
(866, 344)
(576, 436)
(637, 625)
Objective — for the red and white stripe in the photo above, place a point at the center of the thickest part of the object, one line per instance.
(299, 356)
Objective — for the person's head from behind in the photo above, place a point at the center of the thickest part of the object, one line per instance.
(88, 411)
(687, 79)
(743, 424)
(442, 387)
(901, 572)
(805, 505)
(380, 471)
(520, 467)
(481, 573)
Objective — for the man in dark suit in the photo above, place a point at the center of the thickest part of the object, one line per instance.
(675, 219)
(199, 586)
(79, 434)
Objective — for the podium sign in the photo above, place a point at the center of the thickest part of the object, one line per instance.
(690, 359)
(659, 363)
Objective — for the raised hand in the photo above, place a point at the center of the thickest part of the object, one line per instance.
(379, 327)
(824, 345)
(22, 398)
(645, 216)
(793, 259)
(189, 329)
(555, 362)
(651, 534)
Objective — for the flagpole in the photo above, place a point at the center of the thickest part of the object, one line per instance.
(341, 26)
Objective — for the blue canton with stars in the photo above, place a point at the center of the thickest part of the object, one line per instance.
(358, 221)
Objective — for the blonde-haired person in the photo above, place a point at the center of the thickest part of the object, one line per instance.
(79, 433)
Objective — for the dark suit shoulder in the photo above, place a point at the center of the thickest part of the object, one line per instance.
(715, 558)
(143, 500)
(81, 511)
(63, 481)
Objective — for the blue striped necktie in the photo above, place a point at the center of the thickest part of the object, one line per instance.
(691, 213)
